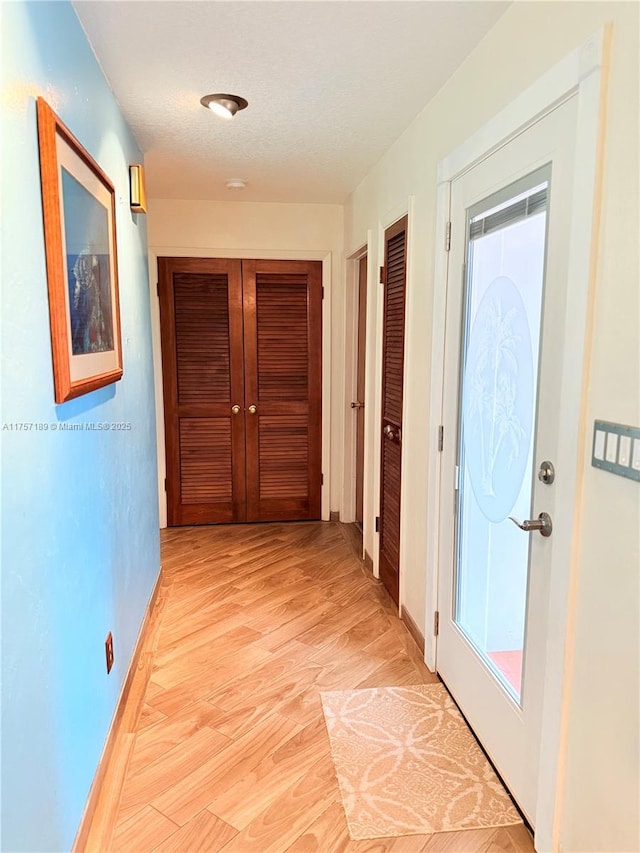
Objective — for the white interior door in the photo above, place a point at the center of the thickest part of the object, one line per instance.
(506, 305)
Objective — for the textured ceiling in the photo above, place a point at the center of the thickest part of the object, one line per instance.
(330, 86)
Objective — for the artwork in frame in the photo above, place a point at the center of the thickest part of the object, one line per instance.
(78, 202)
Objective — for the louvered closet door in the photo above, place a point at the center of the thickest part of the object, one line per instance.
(283, 381)
(201, 323)
(395, 265)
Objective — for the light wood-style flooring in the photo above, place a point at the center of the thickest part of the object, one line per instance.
(229, 751)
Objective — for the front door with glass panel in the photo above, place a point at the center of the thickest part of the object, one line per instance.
(505, 314)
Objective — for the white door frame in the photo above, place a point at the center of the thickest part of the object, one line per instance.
(352, 312)
(583, 73)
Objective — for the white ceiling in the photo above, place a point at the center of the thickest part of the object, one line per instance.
(330, 86)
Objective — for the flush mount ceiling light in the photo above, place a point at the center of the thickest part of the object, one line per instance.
(224, 106)
(236, 184)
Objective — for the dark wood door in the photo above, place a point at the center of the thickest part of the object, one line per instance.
(242, 373)
(360, 387)
(203, 375)
(283, 388)
(394, 279)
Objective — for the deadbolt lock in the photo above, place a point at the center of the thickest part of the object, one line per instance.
(546, 472)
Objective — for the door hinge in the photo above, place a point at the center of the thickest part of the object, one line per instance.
(383, 275)
(322, 479)
(323, 292)
(377, 523)
(440, 438)
(436, 623)
(456, 478)
(158, 287)
(447, 237)
(165, 484)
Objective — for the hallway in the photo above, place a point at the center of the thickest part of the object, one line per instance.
(230, 751)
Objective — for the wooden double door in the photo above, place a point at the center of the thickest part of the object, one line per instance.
(242, 374)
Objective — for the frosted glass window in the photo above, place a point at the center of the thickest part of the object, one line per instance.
(502, 323)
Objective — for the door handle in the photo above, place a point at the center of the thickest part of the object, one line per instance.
(253, 410)
(357, 405)
(542, 523)
(392, 434)
(235, 410)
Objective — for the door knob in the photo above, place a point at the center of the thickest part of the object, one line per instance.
(388, 431)
(235, 410)
(542, 523)
(253, 410)
(357, 405)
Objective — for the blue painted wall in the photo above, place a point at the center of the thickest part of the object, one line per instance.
(80, 546)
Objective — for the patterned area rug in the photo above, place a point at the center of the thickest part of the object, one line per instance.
(408, 764)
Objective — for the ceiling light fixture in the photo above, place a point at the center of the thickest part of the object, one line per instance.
(236, 184)
(224, 106)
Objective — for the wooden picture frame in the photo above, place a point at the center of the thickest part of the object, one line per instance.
(78, 203)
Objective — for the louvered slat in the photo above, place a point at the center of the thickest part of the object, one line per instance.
(205, 460)
(392, 395)
(394, 329)
(390, 533)
(284, 457)
(202, 338)
(283, 348)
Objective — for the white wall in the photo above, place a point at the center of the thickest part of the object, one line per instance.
(602, 750)
(602, 785)
(255, 230)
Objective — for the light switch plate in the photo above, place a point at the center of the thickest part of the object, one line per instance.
(616, 448)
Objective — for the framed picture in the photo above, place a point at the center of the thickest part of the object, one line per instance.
(78, 202)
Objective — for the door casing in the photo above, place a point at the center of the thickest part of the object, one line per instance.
(242, 254)
(584, 72)
(240, 410)
(361, 359)
(347, 485)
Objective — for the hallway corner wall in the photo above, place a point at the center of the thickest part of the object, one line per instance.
(282, 231)
(80, 542)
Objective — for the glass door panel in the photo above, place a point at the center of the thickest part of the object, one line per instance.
(505, 262)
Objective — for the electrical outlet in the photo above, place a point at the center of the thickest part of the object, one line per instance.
(108, 647)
